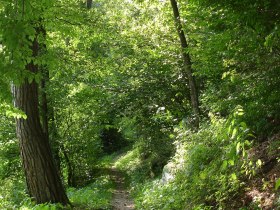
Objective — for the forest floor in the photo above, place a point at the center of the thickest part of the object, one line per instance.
(260, 189)
(121, 198)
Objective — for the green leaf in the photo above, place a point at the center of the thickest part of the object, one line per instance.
(203, 175)
(234, 132)
(247, 143)
(238, 148)
(244, 125)
(30, 79)
(259, 163)
(231, 162)
(224, 164)
(229, 129)
(277, 184)
(233, 176)
(37, 78)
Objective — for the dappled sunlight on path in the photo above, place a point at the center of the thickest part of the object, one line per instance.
(121, 198)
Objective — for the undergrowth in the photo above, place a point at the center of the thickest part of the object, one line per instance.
(96, 195)
(211, 166)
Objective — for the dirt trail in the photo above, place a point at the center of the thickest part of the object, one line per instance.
(121, 199)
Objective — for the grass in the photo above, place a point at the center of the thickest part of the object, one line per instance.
(96, 195)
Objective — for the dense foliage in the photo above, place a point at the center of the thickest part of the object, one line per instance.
(115, 81)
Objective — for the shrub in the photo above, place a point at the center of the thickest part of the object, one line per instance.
(215, 161)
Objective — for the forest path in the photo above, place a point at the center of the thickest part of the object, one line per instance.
(121, 199)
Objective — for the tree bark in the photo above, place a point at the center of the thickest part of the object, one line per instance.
(48, 122)
(43, 181)
(70, 169)
(89, 4)
(187, 64)
(44, 103)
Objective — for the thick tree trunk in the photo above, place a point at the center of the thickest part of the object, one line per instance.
(43, 91)
(187, 63)
(44, 103)
(48, 124)
(43, 181)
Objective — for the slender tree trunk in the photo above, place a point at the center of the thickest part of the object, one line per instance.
(187, 63)
(70, 169)
(89, 4)
(43, 181)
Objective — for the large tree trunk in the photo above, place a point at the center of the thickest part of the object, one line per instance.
(43, 181)
(187, 64)
(44, 102)
(48, 122)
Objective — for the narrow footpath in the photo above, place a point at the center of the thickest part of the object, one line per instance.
(121, 198)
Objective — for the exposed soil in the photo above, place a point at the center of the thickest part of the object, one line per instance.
(260, 190)
(121, 199)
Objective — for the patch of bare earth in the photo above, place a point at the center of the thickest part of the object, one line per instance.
(121, 199)
(261, 189)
